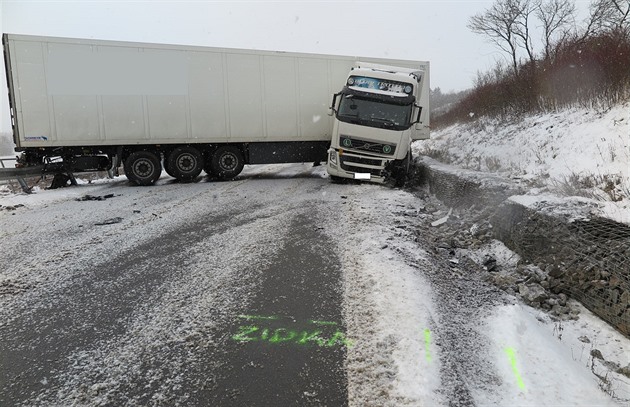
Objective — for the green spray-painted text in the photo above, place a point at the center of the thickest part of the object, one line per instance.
(276, 335)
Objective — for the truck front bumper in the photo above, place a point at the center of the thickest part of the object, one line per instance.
(356, 166)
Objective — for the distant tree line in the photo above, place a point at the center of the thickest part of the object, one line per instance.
(576, 63)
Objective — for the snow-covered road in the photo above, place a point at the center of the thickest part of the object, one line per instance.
(278, 288)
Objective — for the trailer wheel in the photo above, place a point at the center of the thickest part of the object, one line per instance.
(185, 163)
(227, 162)
(166, 167)
(143, 168)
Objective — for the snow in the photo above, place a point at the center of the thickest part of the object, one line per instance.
(557, 152)
(576, 207)
(389, 299)
(379, 91)
(387, 305)
(540, 355)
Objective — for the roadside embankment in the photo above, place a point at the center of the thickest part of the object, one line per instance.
(583, 254)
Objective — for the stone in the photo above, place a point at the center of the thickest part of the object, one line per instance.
(532, 293)
(584, 339)
(552, 301)
(624, 371)
(599, 283)
(555, 272)
(614, 296)
(562, 299)
(597, 354)
(614, 282)
(559, 310)
(490, 263)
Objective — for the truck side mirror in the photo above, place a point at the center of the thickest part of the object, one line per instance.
(332, 109)
(419, 114)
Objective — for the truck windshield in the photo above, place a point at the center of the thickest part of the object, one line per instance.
(373, 113)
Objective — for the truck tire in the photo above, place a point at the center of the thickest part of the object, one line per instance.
(167, 168)
(143, 168)
(401, 172)
(185, 163)
(337, 180)
(227, 162)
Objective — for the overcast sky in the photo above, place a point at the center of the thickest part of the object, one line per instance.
(418, 30)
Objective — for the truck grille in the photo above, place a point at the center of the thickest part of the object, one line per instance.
(362, 165)
(356, 144)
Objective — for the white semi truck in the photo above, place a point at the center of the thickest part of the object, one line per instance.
(86, 105)
(379, 112)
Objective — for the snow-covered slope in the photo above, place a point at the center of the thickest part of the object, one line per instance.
(578, 151)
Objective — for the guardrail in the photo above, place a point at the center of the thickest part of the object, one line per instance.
(7, 158)
(9, 173)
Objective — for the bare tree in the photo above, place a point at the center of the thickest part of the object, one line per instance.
(524, 10)
(499, 24)
(609, 15)
(558, 19)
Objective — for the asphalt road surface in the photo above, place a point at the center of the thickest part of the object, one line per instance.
(197, 294)
(279, 288)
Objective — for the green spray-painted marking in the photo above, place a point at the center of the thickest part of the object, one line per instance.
(255, 317)
(243, 334)
(255, 333)
(251, 333)
(427, 344)
(512, 356)
(265, 334)
(339, 337)
(312, 321)
(282, 335)
(311, 337)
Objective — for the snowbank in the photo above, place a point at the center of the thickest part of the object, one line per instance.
(572, 152)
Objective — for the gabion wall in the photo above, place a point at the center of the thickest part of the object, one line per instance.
(585, 257)
(588, 259)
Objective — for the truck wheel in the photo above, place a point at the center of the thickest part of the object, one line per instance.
(401, 172)
(337, 180)
(185, 163)
(227, 162)
(143, 168)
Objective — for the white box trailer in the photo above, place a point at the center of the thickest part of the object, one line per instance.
(98, 103)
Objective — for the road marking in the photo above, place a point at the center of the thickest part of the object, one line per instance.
(427, 344)
(322, 322)
(277, 335)
(512, 357)
(255, 317)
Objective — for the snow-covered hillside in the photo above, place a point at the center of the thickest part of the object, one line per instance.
(575, 152)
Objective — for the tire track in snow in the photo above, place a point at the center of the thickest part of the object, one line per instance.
(462, 301)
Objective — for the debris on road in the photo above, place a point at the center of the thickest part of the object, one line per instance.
(11, 208)
(443, 220)
(95, 197)
(109, 221)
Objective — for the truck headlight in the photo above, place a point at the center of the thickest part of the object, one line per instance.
(333, 157)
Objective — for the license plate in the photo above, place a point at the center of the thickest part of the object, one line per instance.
(362, 175)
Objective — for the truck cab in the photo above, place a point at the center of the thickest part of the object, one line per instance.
(378, 113)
